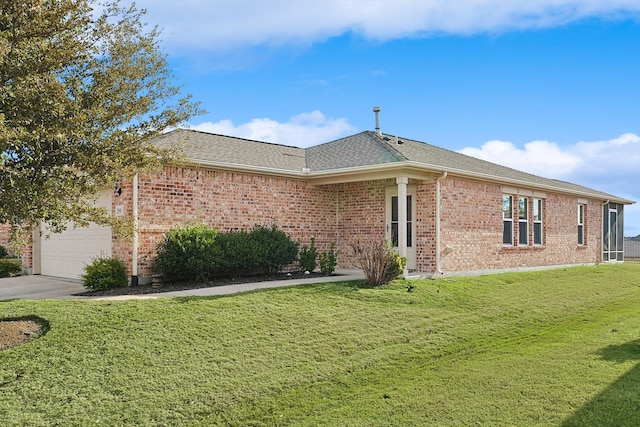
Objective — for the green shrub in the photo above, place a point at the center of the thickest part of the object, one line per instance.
(188, 252)
(379, 262)
(273, 248)
(235, 254)
(9, 268)
(104, 273)
(329, 260)
(3, 252)
(198, 252)
(308, 256)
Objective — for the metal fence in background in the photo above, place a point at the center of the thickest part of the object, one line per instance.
(631, 249)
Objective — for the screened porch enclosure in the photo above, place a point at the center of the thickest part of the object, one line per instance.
(613, 232)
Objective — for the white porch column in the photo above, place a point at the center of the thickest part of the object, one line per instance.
(402, 182)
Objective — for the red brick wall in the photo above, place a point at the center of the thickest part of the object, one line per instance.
(26, 252)
(121, 248)
(425, 226)
(226, 201)
(471, 217)
(472, 228)
(360, 215)
(5, 234)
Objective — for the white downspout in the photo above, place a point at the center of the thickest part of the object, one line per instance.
(438, 271)
(402, 182)
(134, 249)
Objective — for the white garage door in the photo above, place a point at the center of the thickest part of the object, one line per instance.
(66, 254)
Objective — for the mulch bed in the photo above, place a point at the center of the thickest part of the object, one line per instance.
(183, 286)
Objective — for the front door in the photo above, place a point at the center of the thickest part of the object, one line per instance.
(392, 223)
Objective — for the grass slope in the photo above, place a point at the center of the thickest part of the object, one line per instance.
(558, 347)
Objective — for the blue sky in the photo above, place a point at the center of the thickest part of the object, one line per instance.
(551, 87)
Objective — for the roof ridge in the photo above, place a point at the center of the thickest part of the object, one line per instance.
(235, 137)
(379, 139)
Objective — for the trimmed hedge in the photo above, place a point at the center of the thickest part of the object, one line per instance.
(199, 252)
(10, 268)
(187, 252)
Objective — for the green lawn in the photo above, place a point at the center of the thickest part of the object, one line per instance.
(559, 347)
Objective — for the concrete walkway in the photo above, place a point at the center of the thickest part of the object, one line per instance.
(342, 276)
(41, 287)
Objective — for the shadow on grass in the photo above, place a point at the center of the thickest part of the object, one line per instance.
(618, 404)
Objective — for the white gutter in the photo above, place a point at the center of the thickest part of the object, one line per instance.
(134, 254)
(423, 167)
(417, 171)
(438, 271)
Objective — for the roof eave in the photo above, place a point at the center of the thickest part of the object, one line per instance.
(417, 170)
(410, 169)
(251, 169)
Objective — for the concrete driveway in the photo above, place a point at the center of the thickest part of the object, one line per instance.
(39, 287)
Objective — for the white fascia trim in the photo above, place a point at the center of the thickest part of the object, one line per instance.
(501, 180)
(233, 167)
(415, 170)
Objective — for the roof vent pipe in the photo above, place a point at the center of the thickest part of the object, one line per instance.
(377, 111)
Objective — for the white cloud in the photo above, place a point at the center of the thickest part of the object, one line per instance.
(229, 24)
(538, 157)
(612, 166)
(616, 155)
(303, 130)
(614, 158)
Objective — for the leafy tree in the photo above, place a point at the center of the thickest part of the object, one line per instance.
(85, 87)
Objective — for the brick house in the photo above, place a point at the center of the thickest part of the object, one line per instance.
(446, 212)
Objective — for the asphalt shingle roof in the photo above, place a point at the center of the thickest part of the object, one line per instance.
(359, 150)
(201, 147)
(353, 151)
(403, 149)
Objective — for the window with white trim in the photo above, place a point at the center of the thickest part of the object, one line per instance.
(581, 237)
(537, 222)
(523, 221)
(507, 220)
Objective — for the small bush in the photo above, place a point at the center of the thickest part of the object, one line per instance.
(329, 260)
(273, 248)
(104, 273)
(308, 256)
(9, 268)
(3, 252)
(188, 252)
(378, 261)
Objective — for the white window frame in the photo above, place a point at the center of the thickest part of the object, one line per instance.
(523, 220)
(507, 218)
(538, 217)
(581, 213)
